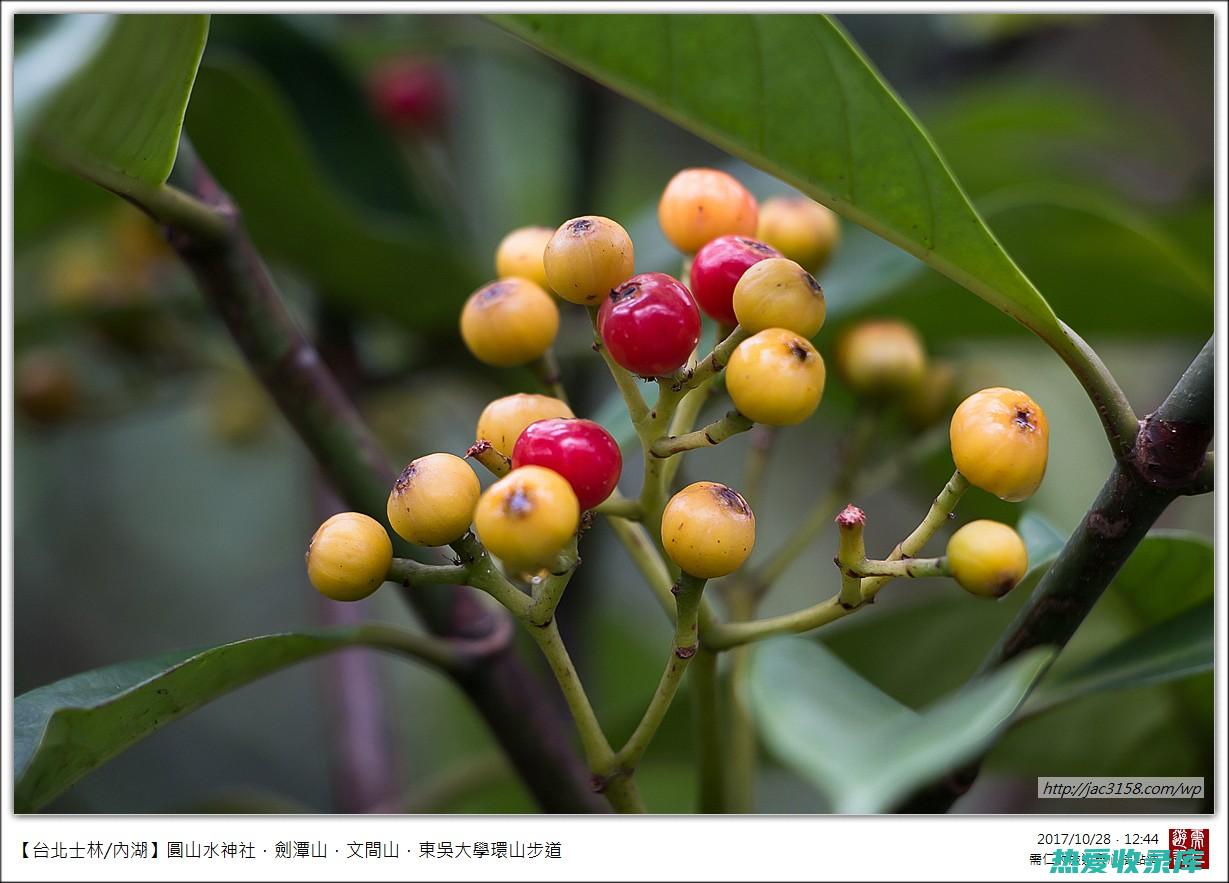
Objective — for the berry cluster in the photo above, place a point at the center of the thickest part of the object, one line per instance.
(748, 268)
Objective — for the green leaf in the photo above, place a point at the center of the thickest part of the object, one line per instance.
(122, 111)
(1176, 648)
(66, 729)
(1042, 539)
(861, 748)
(1170, 570)
(395, 265)
(793, 95)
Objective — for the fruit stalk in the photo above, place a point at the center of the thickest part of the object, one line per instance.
(706, 437)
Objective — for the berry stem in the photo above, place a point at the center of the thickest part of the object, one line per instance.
(484, 452)
(688, 591)
(550, 590)
(619, 506)
(628, 388)
(711, 365)
(707, 731)
(709, 436)
(938, 515)
(909, 568)
(484, 575)
(411, 573)
(851, 553)
(546, 369)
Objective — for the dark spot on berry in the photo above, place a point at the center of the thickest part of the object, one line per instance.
(406, 478)
(1004, 585)
(756, 245)
(624, 291)
(580, 227)
(798, 350)
(493, 292)
(732, 500)
(519, 503)
(1023, 419)
(812, 283)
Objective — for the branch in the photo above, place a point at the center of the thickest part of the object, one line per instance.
(236, 282)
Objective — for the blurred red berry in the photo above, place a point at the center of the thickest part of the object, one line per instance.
(410, 93)
(650, 324)
(717, 268)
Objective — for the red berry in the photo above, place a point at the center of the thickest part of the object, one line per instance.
(717, 268)
(410, 93)
(584, 453)
(650, 324)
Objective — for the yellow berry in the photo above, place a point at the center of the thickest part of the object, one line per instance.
(520, 254)
(881, 358)
(987, 558)
(503, 420)
(698, 205)
(778, 293)
(1000, 442)
(586, 257)
(775, 377)
(432, 502)
(349, 556)
(509, 322)
(708, 529)
(527, 517)
(800, 228)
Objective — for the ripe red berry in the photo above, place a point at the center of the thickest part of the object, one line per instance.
(650, 324)
(410, 92)
(717, 268)
(584, 453)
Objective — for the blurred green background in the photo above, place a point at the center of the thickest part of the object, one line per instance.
(160, 503)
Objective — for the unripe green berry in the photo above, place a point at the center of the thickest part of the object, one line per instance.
(349, 556)
(509, 322)
(432, 502)
(987, 558)
(778, 293)
(587, 257)
(708, 529)
(881, 358)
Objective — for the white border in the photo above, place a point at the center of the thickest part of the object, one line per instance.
(712, 848)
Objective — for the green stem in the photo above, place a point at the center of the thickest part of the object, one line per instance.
(711, 435)
(938, 515)
(411, 573)
(440, 652)
(546, 369)
(712, 364)
(484, 575)
(687, 592)
(707, 732)
(484, 452)
(1117, 416)
(725, 635)
(619, 506)
(741, 753)
(910, 568)
(851, 552)
(628, 386)
(550, 590)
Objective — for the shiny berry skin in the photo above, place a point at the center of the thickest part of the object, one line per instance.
(349, 556)
(432, 502)
(1001, 441)
(987, 558)
(410, 93)
(778, 293)
(881, 358)
(708, 529)
(717, 268)
(520, 254)
(527, 517)
(509, 322)
(698, 205)
(801, 229)
(586, 257)
(650, 324)
(584, 453)
(503, 420)
(775, 377)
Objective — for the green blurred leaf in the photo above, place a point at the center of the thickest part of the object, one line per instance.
(122, 111)
(45, 63)
(1042, 539)
(64, 730)
(863, 749)
(1176, 648)
(1171, 570)
(792, 94)
(380, 262)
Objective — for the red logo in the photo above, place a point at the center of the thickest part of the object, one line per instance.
(1188, 848)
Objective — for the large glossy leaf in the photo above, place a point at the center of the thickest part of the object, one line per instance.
(383, 262)
(864, 750)
(793, 95)
(122, 111)
(66, 729)
(1176, 648)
